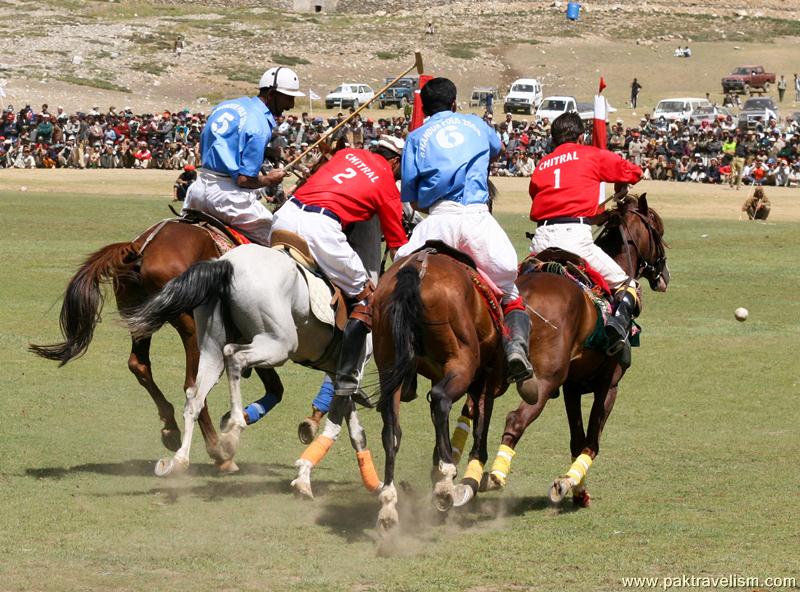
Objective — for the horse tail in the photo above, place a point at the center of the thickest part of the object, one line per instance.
(204, 282)
(83, 300)
(405, 314)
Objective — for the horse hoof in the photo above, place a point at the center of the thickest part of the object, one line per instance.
(171, 439)
(303, 488)
(170, 466)
(582, 499)
(227, 467)
(228, 444)
(443, 497)
(559, 489)
(462, 494)
(307, 430)
(493, 483)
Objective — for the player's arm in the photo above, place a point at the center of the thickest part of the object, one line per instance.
(249, 176)
(615, 169)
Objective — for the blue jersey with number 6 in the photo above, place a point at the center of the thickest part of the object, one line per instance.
(448, 158)
(235, 136)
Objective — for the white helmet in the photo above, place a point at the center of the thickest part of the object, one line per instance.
(283, 80)
(392, 143)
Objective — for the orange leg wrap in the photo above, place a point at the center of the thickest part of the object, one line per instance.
(317, 450)
(368, 474)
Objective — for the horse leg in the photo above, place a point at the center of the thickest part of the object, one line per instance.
(442, 395)
(479, 454)
(264, 351)
(316, 451)
(208, 373)
(308, 428)
(458, 440)
(358, 439)
(139, 364)
(185, 327)
(577, 442)
(517, 421)
(388, 518)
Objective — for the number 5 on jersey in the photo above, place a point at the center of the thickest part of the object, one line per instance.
(348, 173)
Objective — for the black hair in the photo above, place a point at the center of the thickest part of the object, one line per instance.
(567, 127)
(385, 152)
(438, 95)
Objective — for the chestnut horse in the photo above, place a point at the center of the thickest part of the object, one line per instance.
(563, 318)
(428, 318)
(138, 270)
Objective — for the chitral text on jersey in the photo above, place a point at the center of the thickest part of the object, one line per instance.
(356, 185)
(566, 182)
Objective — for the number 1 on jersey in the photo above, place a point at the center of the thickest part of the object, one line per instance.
(557, 174)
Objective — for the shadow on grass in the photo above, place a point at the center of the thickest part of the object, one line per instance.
(145, 468)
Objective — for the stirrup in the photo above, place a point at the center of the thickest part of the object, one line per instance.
(519, 368)
(616, 346)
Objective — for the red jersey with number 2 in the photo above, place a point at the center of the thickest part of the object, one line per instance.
(566, 182)
(355, 185)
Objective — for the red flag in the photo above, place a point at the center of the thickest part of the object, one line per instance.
(602, 85)
(417, 116)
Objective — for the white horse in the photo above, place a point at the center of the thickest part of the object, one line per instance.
(252, 308)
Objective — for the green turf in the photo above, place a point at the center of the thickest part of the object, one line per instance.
(696, 474)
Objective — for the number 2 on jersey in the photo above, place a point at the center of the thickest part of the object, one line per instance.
(347, 174)
(557, 175)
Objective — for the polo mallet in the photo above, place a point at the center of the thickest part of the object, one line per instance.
(417, 65)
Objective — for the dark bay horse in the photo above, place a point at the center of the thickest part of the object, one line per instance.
(430, 319)
(137, 270)
(563, 318)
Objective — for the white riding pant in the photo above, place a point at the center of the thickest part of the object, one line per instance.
(472, 230)
(577, 239)
(327, 244)
(221, 197)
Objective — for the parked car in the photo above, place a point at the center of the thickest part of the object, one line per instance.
(524, 96)
(745, 78)
(349, 94)
(709, 114)
(757, 109)
(400, 93)
(480, 94)
(552, 107)
(680, 108)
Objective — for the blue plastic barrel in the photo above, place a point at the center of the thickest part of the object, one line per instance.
(573, 11)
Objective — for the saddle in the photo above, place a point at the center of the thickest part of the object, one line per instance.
(485, 287)
(561, 262)
(225, 237)
(295, 246)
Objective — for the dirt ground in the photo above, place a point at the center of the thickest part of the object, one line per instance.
(672, 200)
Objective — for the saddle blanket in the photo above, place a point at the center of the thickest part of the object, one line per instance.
(319, 295)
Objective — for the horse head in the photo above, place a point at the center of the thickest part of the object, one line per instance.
(641, 248)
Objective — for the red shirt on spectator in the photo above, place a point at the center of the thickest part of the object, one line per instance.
(566, 182)
(355, 185)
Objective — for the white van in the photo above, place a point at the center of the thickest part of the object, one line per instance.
(525, 96)
(680, 108)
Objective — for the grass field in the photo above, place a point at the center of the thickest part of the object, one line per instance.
(695, 475)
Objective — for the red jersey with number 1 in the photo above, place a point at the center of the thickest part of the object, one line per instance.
(355, 185)
(566, 182)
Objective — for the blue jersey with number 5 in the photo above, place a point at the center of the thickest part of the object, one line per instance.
(448, 158)
(235, 136)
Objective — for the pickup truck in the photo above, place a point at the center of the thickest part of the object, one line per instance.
(552, 107)
(745, 78)
(755, 110)
(400, 93)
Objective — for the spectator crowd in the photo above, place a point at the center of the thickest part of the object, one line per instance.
(715, 151)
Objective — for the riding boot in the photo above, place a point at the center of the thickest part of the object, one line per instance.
(516, 346)
(350, 358)
(619, 324)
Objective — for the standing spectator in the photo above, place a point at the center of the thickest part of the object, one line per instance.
(796, 89)
(737, 165)
(179, 45)
(781, 88)
(635, 88)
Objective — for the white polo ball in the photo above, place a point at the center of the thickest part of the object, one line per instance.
(741, 314)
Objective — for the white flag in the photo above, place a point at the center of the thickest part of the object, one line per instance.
(312, 95)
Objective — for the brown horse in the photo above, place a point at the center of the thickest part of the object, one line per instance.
(137, 270)
(430, 319)
(563, 318)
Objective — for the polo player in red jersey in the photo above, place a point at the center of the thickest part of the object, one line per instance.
(564, 189)
(352, 187)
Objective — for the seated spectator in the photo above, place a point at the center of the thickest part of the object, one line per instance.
(186, 178)
(757, 207)
(713, 172)
(142, 156)
(25, 159)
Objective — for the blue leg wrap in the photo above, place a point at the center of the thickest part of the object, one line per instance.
(324, 396)
(258, 409)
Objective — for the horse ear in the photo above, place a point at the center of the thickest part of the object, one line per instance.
(643, 203)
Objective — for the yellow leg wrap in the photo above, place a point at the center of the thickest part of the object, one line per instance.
(368, 473)
(582, 483)
(317, 450)
(474, 470)
(459, 439)
(577, 472)
(501, 467)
